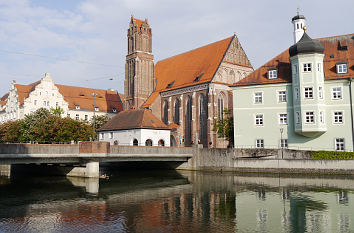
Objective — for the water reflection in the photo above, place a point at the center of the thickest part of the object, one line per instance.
(170, 201)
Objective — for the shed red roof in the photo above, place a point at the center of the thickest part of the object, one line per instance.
(336, 49)
(134, 119)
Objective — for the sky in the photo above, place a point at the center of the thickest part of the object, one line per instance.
(84, 42)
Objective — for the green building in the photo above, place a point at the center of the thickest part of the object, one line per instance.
(301, 99)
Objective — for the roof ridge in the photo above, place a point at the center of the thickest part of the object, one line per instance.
(331, 37)
(196, 49)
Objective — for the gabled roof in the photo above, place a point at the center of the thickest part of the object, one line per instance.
(134, 119)
(139, 23)
(336, 49)
(190, 68)
(105, 100)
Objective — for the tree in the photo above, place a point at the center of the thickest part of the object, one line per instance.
(98, 121)
(58, 111)
(11, 131)
(225, 127)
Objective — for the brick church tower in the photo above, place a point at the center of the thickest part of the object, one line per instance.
(139, 67)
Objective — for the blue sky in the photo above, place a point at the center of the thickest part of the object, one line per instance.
(83, 42)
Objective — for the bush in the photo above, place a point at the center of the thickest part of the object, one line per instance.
(332, 155)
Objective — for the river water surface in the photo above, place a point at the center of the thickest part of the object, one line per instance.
(170, 201)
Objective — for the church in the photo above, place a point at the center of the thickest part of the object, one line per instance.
(188, 91)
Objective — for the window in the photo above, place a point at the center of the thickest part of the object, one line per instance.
(77, 117)
(307, 67)
(272, 74)
(35, 102)
(177, 110)
(135, 142)
(97, 109)
(259, 119)
(165, 112)
(298, 119)
(68, 115)
(310, 117)
(297, 93)
(339, 144)
(260, 143)
(295, 69)
(283, 143)
(101, 136)
(282, 96)
(148, 142)
(86, 117)
(110, 135)
(47, 103)
(319, 67)
(44, 103)
(337, 93)
(283, 119)
(56, 104)
(320, 92)
(77, 107)
(220, 108)
(338, 117)
(114, 110)
(258, 97)
(342, 68)
(308, 92)
(321, 117)
(161, 142)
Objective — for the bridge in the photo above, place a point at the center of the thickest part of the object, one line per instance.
(87, 156)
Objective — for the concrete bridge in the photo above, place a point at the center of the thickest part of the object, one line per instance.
(88, 155)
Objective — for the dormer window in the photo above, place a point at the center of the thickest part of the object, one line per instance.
(342, 68)
(170, 84)
(97, 109)
(198, 77)
(77, 107)
(114, 110)
(272, 74)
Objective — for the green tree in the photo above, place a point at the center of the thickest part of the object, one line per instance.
(225, 127)
(98, 121)
(11, 131)
(31, 121)
(58, 111)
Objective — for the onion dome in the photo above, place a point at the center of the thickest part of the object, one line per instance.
(296, 17)
(306, 45)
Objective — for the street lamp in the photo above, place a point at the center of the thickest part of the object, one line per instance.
(281, 141)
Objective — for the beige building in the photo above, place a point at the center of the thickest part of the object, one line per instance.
(77, 102)
(187, 91)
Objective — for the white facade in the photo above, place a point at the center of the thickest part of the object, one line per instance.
(299, 24)
(43, 95)
(127, 137)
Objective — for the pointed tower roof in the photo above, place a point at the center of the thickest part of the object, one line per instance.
(306, 45)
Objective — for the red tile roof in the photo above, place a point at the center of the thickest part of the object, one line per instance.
(134, 119)
(105, 100)
(183, 69)
(332, 48)
(139, 23)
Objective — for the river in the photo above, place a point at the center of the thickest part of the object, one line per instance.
(176, 201)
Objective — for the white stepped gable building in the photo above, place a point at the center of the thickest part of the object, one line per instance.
(77, 102)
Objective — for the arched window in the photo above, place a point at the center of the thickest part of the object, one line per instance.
(232, 77)
(177, 111)
(203, 118)
(188, 122)
(135, 142)
(148, 142)
(161, 142)
(221, 107)
(165, 112)
(115, 142)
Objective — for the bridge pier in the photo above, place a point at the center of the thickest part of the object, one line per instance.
(91, 170)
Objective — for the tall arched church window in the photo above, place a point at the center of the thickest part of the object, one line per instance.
(203, 117)
(188, 122)
(165, 112)
(221, 107)
(177, 111)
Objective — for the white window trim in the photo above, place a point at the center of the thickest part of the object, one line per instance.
(333, 117)
(335, 144)
(255, 119)
(286, 96)
(308, 98)
(341, 93)
(284, 140)
(323, 117)
(342, 64)
(261, 143)
(271, 74)
(254, 97)
(303, 67)
(320, 92)
(314, 118)
(287, 120)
